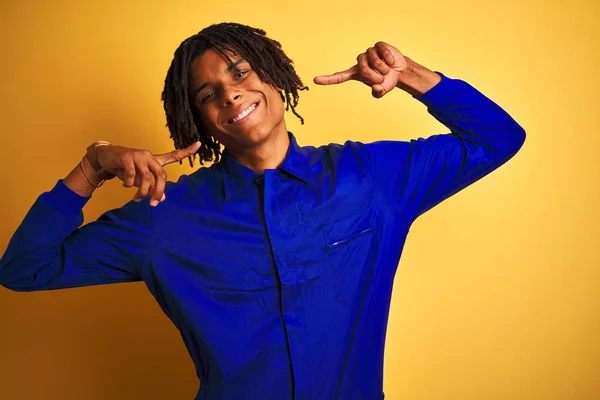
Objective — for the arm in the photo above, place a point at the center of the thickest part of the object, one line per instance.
(50, 249)
(419, 174)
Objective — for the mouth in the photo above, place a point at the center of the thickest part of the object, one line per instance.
(243, 116)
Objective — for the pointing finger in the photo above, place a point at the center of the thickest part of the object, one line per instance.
(177, 155)
(336, 78)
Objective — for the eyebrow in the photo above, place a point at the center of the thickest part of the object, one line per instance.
(230, 67)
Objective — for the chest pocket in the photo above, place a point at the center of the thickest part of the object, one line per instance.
(350, 246)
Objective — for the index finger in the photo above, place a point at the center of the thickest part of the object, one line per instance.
(177, 155)
(336, 78)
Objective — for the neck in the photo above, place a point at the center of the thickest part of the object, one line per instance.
(267, 155)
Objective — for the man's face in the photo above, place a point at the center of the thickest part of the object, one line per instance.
(236, 107)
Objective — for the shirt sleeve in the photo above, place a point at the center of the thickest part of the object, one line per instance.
(419, 174)
(51, 250)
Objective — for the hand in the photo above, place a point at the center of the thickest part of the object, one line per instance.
(141, 168)
(380, 67)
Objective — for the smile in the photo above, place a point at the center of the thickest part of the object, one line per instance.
(244, 115)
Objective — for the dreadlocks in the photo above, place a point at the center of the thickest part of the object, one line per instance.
(264, 55)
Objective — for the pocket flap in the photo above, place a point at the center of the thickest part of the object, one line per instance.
(349, 229)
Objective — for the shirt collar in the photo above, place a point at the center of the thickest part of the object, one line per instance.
(237, 176)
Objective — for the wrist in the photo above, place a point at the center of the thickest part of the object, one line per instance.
(89, 172)
(417, 79)
(92, 158)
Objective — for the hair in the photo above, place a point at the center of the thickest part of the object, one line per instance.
(264, 55)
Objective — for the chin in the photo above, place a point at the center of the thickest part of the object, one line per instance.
(244, 139)
(256, 137)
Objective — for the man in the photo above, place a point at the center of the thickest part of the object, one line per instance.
(276, 263)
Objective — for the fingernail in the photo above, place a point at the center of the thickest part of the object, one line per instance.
(153, 203)
(164, 196)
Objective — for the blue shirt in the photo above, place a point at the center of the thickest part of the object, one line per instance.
(279, 283)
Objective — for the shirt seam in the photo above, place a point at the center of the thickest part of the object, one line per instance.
(373, 176)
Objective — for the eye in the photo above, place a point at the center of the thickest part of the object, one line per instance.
(239, 74)
(208, 96)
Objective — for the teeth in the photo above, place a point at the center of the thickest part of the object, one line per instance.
(244, 113)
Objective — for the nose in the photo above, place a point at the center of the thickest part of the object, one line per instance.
(231, 95)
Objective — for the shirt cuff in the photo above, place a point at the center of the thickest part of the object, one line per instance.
(64, 200)
(442, 94)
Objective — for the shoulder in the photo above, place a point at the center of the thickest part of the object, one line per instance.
(335, 155)
(198, 184)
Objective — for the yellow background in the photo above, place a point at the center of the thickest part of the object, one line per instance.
(497, 295)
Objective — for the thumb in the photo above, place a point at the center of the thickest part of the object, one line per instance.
(381, 89)
(178, 155)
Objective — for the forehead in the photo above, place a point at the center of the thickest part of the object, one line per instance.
(211, 64)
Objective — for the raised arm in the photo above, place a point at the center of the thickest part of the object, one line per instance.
(50, 249)
(419, 174)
